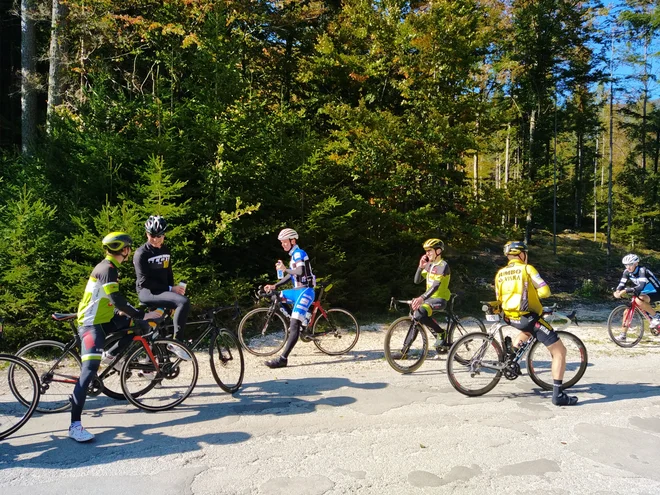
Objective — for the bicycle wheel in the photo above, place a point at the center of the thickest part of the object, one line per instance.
(227, 363)
(336, 332)
(406, 345)
(463, 326)
(58, 372)
(162, 385)
(634, 331)
(23, 382)
(474, 364)
(112, 380)
(539, 362)
(263, 332)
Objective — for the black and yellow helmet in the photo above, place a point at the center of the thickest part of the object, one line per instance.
(116, 241)
(433, 244)
(515, 247)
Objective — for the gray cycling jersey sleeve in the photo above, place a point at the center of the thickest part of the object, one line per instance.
(418, 275)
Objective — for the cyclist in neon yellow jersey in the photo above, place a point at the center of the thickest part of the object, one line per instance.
(519, 288)
(97, 313)
(437, 274)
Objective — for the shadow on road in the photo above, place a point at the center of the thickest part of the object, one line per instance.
(610, 392)
(147, 439)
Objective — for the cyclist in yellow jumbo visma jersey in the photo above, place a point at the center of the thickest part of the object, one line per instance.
(519, 287)
(437, 274)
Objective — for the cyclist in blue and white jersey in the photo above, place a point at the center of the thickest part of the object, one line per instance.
(646, 287)
(300, 297)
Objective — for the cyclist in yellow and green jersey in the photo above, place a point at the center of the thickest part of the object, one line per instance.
(437, 274)
(98, 313)
(519, 289)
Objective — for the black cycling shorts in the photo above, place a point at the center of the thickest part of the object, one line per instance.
(537, 326)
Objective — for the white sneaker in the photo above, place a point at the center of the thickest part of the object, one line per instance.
(655, 321)
(80, 434)
(108, 359)
(621, 337)
(180, 353)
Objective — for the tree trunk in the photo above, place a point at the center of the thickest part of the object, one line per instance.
(55, 57)
(28, 75)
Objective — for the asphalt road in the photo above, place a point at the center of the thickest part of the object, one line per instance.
(350, 424)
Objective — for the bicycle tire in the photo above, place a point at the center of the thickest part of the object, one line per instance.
(406, 357)
(461, 327)
(262, 332)
(336, 332)
(480, 345)
(55, 385)
(227, 362)
(636, 327)
(539, 362)
(155, 391)
(27, 382)
(112, 381)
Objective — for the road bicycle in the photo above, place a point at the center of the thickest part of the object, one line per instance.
(263, 331)
(14, 413)
(225, 352)
(406, 341)
(630, 320)
(150, 373)
(477, 361)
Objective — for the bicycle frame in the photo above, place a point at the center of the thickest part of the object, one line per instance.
(208, 319)
(634, 304)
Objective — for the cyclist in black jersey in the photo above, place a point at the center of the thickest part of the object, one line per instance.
(97, 314)
(154, 278)
(646, 287)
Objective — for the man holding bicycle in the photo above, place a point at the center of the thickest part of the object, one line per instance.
(646, 288)
(300, 297)
(519, 287)
(437, 274)
(96, 312)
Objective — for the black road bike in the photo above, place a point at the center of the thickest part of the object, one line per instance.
(406, 341)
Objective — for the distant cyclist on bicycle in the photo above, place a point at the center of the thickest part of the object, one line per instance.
(300, 297)
(97, 313)
(154, 277)
(519, 287)
(437, 274)
(646, 287)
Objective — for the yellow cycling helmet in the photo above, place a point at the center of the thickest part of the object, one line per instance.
(515, 247)
(116, 241)
(433, 244)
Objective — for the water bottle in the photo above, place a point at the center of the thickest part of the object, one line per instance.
(183, 285)
(507, 346)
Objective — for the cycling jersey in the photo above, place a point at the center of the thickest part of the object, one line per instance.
(517, 295)
(643, 279)
(437, 275)
(153, 269)
(102, 296)
(299, 258)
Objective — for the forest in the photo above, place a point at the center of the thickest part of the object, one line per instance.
(366, 125)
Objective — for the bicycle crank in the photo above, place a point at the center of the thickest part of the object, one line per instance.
(512, 371)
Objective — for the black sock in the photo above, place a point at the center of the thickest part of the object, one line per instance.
(556, 389)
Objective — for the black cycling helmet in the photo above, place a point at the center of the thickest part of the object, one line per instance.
(155, 226)
(116, 241)
(515, 247)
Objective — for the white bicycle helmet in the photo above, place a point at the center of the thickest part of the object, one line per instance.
(286, 234)
(629, 259)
